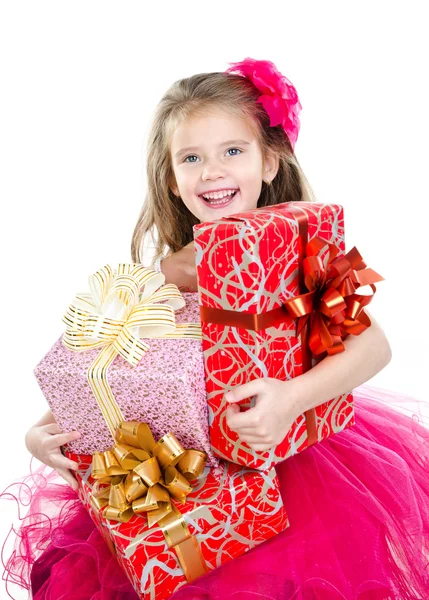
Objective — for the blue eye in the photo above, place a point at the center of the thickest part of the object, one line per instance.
(193, 155)
(234, 149)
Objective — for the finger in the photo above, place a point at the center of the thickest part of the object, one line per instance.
(248, 419)
(68, 476)
(251, 439)
(251, 388)
(60, 439)
(252, 431)
(62, 462)
(52, 428)
(260, 447)
(232, 409)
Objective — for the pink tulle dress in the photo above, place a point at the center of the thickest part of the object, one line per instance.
(358, 505)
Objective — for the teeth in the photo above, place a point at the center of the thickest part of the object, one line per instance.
(218, 195)
(219, 201)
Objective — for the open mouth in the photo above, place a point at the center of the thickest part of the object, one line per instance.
(220, 202)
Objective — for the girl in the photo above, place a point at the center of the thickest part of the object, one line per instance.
(358, 502)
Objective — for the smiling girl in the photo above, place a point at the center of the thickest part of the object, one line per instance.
(358, 503)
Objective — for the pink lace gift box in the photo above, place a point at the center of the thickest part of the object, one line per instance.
(166, 389)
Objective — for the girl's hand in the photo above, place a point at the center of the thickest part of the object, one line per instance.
(44, 443)
(278, 405)
(180, 268)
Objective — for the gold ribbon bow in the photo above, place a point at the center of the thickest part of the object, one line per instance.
(331, 310)
(138, 475)
(122, 307)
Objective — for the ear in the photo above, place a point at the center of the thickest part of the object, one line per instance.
(173, 187)
(271, 166)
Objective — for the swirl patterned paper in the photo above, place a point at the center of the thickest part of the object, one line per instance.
(249, 263)
(231, 510)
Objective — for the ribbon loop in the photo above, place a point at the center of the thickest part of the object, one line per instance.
(168, 450)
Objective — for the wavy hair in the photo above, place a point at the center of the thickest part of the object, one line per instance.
(168, 221)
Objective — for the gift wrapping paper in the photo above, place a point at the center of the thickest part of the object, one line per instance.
(165, 389)
(251, 263)
(230, 510)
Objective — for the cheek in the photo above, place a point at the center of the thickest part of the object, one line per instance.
(188, 183)
(250, 174)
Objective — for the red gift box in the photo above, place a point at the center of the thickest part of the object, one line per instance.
(230, 510)
(277, 294)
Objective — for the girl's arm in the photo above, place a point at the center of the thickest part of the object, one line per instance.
(364, 356)
(180, 268)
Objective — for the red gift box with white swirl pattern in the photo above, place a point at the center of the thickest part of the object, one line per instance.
(256, 271)
(230, 510)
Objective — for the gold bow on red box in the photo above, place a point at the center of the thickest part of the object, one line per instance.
(140, 476)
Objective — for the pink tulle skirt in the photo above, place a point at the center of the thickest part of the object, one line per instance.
(358, 505)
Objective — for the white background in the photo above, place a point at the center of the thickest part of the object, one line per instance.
(79, 83)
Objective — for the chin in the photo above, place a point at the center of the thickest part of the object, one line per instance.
(215, 215)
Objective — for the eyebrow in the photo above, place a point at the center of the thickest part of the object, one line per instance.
(192, 148)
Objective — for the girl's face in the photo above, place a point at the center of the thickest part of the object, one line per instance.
(218, 154)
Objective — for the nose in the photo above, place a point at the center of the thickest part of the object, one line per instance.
(212, 170)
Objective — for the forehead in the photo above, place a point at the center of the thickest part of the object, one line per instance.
(210, 128)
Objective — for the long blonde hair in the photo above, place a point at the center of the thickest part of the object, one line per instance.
(164, 213)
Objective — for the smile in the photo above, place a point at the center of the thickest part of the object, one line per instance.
(219, 202)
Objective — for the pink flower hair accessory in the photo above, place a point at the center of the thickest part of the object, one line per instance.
(279, 97)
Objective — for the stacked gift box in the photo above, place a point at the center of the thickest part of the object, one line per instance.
(142, 371)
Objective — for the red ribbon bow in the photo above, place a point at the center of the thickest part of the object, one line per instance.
(331, 309)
